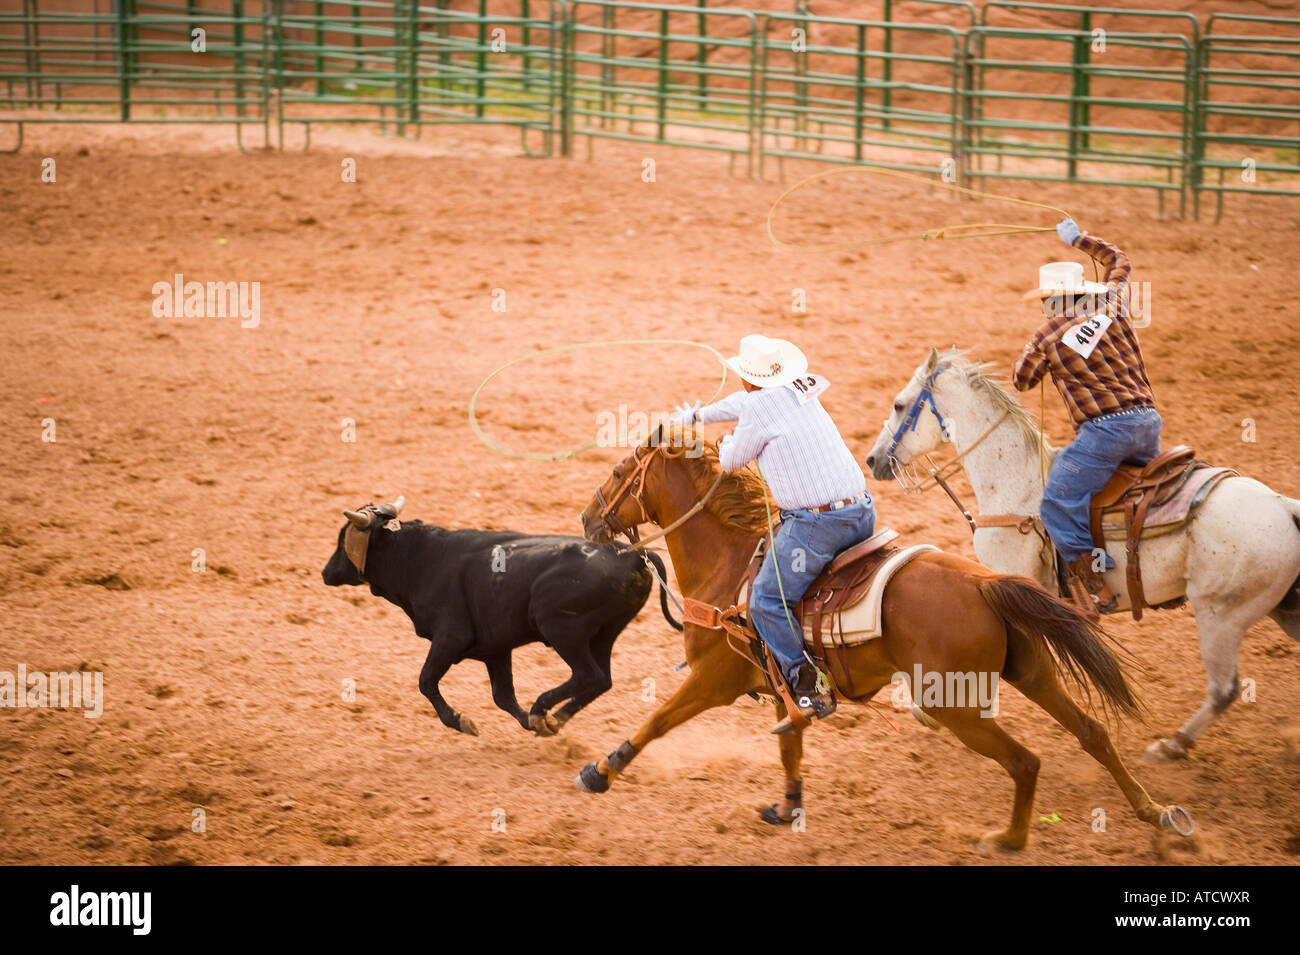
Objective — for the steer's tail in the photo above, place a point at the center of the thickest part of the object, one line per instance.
(662, 573)
(1077, 643)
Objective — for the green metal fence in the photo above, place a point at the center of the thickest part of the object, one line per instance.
(664, 74)
(137, 63)
(1248, 104)
(1066, 118)
(858, 100)
(1022, 90)
(413, 65)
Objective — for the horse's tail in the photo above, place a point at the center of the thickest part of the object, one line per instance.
(662, 574)
(1077, 642)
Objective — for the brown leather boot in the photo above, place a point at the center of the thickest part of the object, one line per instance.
(1089, 590)
(813, 701)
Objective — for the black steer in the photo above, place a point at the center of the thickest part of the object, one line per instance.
(479, 594)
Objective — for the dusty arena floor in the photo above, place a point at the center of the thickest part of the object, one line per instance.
(225, 688)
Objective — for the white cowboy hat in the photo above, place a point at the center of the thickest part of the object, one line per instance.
(768, 362)
(1062, 278)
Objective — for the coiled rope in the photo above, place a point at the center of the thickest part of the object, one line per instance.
(973, 230)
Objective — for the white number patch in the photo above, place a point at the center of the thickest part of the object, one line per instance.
(808, 387)
(1084, 337)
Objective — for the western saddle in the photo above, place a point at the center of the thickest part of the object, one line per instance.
(843, 582)
(1150, 499)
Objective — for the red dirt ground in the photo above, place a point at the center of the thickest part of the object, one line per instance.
(225, 687)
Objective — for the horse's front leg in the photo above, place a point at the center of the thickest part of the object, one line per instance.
(716, 679)
(791, 744)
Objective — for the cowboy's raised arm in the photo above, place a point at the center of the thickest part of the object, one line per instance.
(728, 409)
(742, 445)
(1117, 264)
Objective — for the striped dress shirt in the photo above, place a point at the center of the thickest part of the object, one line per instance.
(798, 448)
(1113, 377)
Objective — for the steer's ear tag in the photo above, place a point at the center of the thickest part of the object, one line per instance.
(393, 525)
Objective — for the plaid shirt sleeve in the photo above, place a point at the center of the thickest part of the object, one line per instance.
(1113, 377)
(1116, 262)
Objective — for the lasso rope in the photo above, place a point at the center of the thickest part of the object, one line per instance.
(574, 452)
(974, 230)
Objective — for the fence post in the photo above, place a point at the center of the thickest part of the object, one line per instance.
(29, 48)
(887, 94)
(413, 61)
(565, 79)
(702, 52)
(237, 8)
(661, 107)
(480, 61)
(608, 20)
(859, 91)
(123, 60)
(524, 39)
(319, 13)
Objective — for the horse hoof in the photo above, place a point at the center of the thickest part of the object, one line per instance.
(773, 818)
(467, 726)
(1001, 839)
(591, 780)
(1177, 819)
(924, 718)
(543, 724)
(1164, 751)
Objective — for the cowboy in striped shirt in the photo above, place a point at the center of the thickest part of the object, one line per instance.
(1087, 343)
(815, 482)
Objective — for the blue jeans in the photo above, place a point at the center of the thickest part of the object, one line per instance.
(805, 543)
(1082, 469)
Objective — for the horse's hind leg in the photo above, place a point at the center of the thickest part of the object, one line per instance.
(986, 737)
(1221, 635)
(1046, 690)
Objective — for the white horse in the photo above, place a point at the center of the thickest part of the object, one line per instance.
(1236, 559)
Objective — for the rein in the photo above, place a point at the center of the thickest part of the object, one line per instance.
(635, 485)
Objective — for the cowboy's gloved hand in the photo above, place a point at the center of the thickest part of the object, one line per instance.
(1068, 231)
(686, 412)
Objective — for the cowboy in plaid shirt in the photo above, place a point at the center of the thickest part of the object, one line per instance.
(1088, 345)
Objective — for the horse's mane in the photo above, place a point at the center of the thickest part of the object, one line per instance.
(975, 374)
(738, 500)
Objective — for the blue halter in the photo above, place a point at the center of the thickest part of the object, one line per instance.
(923, 397)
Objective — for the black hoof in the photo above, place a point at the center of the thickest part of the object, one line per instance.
(592, 780)
(772, 817)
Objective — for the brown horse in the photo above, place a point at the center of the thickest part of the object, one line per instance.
(947, 614)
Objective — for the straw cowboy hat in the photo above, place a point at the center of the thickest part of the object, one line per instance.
(1062, 278)
(768, 362)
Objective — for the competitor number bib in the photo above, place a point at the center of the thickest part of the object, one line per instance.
(808, 387)
(1084, 337)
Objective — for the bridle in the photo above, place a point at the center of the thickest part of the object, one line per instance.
(634, 485)
(923, 473)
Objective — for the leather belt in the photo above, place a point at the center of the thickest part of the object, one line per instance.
(836, 505)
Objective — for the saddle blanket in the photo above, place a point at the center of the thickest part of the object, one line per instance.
(861, 621)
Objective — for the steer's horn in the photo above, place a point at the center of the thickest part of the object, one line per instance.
(398, 505)
(361, 520)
